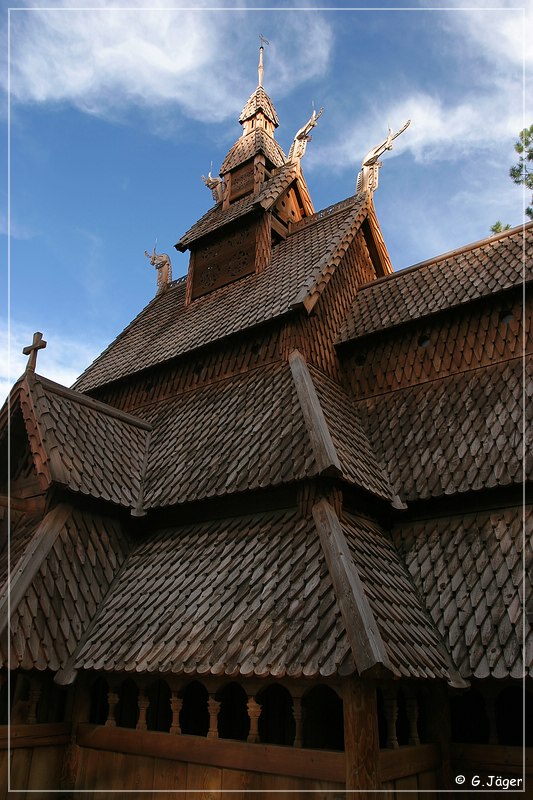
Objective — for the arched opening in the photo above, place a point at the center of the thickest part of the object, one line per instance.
(469, 720)
(194, 716)
(99, 707)
(233, 720)
(52, 702)
(276, 723)
(322, 719)
(382, 719)
(402, 721)
(159, 711)
(510, 708)
(127, 708)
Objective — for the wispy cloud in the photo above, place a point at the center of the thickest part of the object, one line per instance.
(62, 361)
(103, 61)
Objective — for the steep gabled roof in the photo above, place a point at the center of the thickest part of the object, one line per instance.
(80, 443)
(483, 268)
(301, 266)
(246, 147)
(218, 217)
(255, 595)
(460, 433)
(259, 101)
(476, 579)
(63, 568)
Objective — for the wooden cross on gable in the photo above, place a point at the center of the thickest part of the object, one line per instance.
(32, 350)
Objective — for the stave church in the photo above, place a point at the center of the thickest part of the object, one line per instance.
(276, 539)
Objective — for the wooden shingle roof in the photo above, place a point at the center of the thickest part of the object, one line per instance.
(259, 101)
(253, 596)
(456, 434)
(217, 217)
(167, 327)
(246, 147)
(470, 570)
(481, 269)
(81, 444)
(60, 576)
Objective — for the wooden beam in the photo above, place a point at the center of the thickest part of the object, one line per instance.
(46, 735)
(361, 740)
(264, 758)
(360, 624)
(34, 555)
(326, 457)
(406, 761)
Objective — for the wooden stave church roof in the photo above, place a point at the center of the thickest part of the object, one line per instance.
(274, 300)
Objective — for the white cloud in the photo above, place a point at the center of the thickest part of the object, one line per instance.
(105, 60)
(63, 359)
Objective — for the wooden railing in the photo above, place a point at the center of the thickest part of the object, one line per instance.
(36, 757)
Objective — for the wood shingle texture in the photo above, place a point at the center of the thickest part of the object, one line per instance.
(167, 327)
(246, 147)
(58, 579)
(487, 267)
(253, 596)
(474, 572)
(81, 444)
(460, 433)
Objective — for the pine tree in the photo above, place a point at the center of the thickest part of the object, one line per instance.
(522, 173)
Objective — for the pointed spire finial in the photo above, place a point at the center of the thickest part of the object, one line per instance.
(260, 69)
(32, 350)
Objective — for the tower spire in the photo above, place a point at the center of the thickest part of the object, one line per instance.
(260, 69)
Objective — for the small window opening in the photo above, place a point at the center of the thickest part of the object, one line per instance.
(360, 359)
(99, 707)
(233, 720)
(506, 316)
(194, 716)
(127, 708)
(159, 711)
(276, 723)
(424, 340)
(52, 702)
(322, 719)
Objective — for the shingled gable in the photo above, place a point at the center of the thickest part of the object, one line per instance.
(79, 443)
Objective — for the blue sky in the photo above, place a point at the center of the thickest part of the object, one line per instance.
(115, 114)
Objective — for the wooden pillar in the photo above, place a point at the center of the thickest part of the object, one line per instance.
(390, 703)
(439, 728)
(213, 707)
(411, 707)
(176, 703)
(143, 703)
(254, 712)
(34, 695)
(112, 700)
(297, 714)
(361, 741)
(78, 712)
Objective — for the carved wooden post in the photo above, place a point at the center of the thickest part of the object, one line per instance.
(34, 696)
(143, 707)
(411, 707)
(361, 741)
(112, 700)
(297, 714)
(390, 703)
(439, 728)
(213, 707)
(176, 703)
(254, 712)
(79, 703)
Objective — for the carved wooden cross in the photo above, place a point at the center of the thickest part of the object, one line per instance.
(32, 350)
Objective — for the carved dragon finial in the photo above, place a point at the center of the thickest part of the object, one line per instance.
(161, 262)
(215, 184)
(303, 136)
(367, 180)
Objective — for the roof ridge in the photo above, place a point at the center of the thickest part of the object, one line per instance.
(449, 254)
(91, 402)
(324, 212)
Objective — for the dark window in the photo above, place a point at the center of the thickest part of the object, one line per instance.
(469, 719)
(510, 706)
(127, 709)
(322, 719)
(194, 716)
(233, 720)
(159, 711)
(276, 723)
(99, 708)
